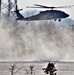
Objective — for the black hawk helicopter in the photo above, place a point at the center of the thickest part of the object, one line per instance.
(44, 15)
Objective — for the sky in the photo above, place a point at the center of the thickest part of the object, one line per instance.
(24, 3)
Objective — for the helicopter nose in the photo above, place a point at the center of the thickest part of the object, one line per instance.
(67, 15)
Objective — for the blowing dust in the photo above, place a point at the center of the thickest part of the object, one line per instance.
(37, 41)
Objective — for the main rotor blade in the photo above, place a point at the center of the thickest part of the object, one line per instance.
(40, 7)
(43, 6)
(52, 7)
(69, 6)
(32, 7)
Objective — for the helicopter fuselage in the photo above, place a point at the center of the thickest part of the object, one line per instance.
(48, 15)
(44, 15)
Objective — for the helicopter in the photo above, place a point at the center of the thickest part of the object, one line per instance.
(44, 15)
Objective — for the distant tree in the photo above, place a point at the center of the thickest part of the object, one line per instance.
(50, 69)
(30, 71)
(12, 69)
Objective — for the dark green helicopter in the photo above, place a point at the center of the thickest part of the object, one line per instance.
(45, 15)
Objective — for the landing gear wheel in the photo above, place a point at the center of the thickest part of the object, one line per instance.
(59, 20)
(55, 19)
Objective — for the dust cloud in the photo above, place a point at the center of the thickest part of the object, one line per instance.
(37, 41)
